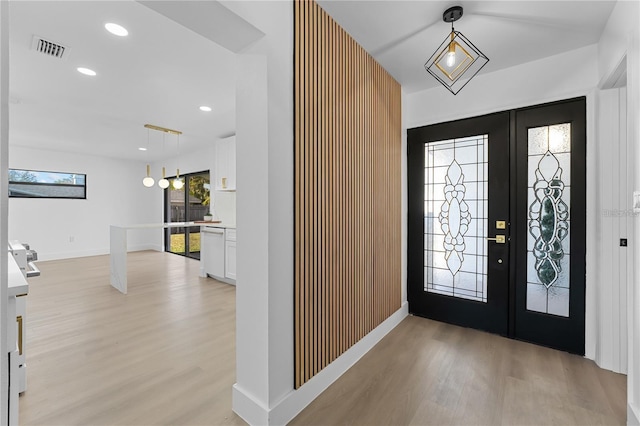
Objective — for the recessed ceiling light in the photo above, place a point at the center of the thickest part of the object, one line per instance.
(205, 108)
(116, 29)
(86, 71)
(142, 149)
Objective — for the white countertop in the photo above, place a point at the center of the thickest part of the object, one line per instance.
(18, 284)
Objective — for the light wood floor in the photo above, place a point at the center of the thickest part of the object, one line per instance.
(162, 354)
(165, 354)
(429, 373)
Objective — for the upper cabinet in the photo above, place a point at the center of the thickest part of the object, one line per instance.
(225, 166)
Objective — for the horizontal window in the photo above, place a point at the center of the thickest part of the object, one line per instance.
(40, 184)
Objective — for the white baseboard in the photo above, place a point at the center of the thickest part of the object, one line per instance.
(633, 415)
(249, 408)
(70, 254)
(96, 252)
(255, 413)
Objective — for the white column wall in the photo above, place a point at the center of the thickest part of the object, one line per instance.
(633, 126)
(621, 37)
(4, 166)
(264, 175)
(615, 263)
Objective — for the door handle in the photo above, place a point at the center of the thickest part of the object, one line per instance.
(500, 239)
(19, 320)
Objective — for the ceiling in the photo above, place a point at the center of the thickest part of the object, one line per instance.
(162, 72)
(147, 77)
(402, 35)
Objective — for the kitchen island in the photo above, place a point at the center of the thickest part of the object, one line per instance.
(118, 248)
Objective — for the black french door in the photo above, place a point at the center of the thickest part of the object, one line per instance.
(187, 204)
(496, 226)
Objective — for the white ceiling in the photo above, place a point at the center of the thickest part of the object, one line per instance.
(402, 35)
(162, 72)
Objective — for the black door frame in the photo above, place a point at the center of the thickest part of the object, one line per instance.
(167, 215)
(493, 315)
(528, 325)
(572, 330)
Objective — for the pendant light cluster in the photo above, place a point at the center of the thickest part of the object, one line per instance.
(163, 183)
(457, 60)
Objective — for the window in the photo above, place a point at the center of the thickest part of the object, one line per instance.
(40, 184)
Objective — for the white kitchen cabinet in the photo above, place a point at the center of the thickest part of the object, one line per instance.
(230, 254)
(225, 164)
(213, 242)
(16, 311)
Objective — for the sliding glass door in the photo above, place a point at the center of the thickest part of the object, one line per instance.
(190, 203)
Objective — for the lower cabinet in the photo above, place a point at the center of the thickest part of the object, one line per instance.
(230, 259)
(218, 253)
(230, 254)
(213, 242)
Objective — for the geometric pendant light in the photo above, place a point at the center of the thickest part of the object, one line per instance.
(456, 61)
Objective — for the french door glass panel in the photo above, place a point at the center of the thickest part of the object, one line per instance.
(190, 203)
(456, 208)
(549, 201)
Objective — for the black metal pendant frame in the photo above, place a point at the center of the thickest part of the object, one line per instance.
(456, 80)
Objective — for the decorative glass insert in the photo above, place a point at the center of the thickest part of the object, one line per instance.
(549, 197)
(455, 217)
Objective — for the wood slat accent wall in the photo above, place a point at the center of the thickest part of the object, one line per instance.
(347, 191)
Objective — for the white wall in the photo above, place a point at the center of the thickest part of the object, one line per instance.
(264, 176)
(115, 195)
(4, 148)
(615, 263)
(621, 38)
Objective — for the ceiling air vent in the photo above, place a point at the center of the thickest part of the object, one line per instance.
(48, 47)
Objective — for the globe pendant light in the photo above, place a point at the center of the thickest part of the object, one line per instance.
(177, 182)
(148, 180)
(163, 183)
(456, 61)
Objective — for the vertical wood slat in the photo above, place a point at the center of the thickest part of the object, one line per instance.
(347, 191)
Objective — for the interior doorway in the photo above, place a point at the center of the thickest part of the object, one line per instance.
(497, 224)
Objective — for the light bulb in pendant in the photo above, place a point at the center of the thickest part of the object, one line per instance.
(163, 183)
(177, 182)
(451, 58)
(148, 180)
(451, 54)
